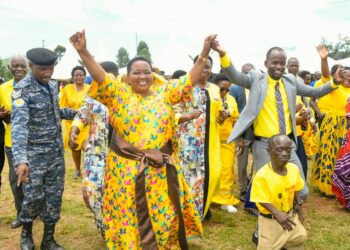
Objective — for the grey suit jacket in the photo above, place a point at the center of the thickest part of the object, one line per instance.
(256, 82)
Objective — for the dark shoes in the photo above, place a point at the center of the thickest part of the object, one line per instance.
(16, 223)
(27, 242)
(49, 242)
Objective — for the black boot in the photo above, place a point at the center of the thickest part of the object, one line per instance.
(27, 242)
(48, 242)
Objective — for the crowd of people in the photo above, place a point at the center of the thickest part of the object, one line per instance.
(159, 151)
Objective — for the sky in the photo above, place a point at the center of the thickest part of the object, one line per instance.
(174, 30)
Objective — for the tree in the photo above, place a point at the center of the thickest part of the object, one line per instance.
(4, 71)
(143, 50)
(59, 51)
(122, 57)
(338, 50)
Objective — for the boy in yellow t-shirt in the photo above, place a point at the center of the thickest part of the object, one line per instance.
(275, 189)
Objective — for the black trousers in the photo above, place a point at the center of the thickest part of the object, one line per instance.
(2, 159)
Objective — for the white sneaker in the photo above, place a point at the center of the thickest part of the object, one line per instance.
(229, 208)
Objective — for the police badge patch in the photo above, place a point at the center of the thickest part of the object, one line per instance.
(16, 94)
(18, 102)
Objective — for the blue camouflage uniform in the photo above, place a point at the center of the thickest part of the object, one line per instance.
(37, 142)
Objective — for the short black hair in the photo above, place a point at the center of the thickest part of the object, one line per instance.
(79, 67)
(110, 67)
(135, 59)
(220, 77)
(292, 58)
(334, 68)
(272, 49)
(178, 73)
(304, 73)
(209, 58)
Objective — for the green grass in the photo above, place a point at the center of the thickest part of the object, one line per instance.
(327, 224)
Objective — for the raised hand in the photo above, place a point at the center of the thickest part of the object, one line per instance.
(207, 45)
(218, 48)
(322, 51)
(78, 40)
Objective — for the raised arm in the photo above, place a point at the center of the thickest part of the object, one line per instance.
(78, 40)
(196, 71)
(243, 80)
(323, 52)
(305, 90)
(180, 90)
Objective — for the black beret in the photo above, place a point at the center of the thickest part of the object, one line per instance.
(41, 56)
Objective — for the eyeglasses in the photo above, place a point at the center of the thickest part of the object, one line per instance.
(224, 89)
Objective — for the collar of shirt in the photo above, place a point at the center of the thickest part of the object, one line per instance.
(272, 81)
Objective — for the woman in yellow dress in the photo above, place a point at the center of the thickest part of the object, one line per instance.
(146, 202)
(72, 96)
(224, 195)
(331, 110)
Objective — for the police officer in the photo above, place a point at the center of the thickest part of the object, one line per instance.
(38, 153)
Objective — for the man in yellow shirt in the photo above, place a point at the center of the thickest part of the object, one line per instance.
(271, 105)
(18, 66)
(276, 191)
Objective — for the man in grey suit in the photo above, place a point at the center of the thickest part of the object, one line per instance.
(271, 105)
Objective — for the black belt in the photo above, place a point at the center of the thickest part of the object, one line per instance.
(259, 138)
(270, 216)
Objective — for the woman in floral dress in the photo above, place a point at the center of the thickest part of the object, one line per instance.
(144, 120)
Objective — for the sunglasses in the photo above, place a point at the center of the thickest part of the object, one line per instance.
(224, 89)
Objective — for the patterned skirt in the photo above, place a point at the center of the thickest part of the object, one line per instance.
(332, 132)
(341, 180)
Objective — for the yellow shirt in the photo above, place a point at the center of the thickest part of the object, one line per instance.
(266, 124)
(226, 128)
(270, 187)
(71, 98)
(327, 103)
(6, 90)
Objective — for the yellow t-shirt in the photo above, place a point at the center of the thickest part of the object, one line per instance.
(266, 124)
(6, 90)
(226, 128)
(270, 187)
(335, 101)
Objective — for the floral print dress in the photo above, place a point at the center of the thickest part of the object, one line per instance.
(146, 123)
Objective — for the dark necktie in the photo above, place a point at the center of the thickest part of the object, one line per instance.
(280, 110)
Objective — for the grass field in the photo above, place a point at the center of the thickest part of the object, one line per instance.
(327, 224)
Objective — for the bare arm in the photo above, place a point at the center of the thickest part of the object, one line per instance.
(323, 52)
(78, 40)
(196, 71)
